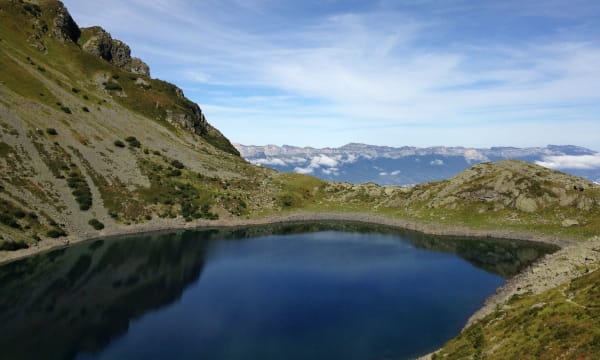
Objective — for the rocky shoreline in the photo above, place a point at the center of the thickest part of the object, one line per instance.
(180, 224)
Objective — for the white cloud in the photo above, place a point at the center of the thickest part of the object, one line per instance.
(393, 173)
(331, 171)
(323, 160)
(304, 171)
(269, 161)
(581, 162)
(436, 162)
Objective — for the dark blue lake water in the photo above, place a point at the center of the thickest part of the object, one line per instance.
(308, 291)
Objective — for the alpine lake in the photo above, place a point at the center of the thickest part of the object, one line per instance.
(291, 291)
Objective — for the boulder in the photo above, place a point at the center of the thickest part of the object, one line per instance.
(526, 204)
(569, 223)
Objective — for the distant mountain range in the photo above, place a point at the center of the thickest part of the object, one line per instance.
(360, 163)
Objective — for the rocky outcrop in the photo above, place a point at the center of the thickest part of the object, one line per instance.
(98, 42)
(194, 121)
(508, 184)
(65, 28)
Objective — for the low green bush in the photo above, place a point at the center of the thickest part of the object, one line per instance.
(96, 224)
(56, 233)
(133, 142)
(51, 131)
(112, 86)
(177, 164)
(119, 143)
(81, 190)
(12, 245)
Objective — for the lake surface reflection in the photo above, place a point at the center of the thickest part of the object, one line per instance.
(296, 291)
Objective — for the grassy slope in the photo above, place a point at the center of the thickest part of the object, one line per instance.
(563, 322)
(172, 173)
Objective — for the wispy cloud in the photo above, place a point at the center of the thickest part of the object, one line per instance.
(427, 73)
(580, 162)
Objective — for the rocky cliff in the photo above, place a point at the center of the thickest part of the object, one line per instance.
(98, 42)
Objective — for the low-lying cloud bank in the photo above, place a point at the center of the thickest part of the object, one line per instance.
(580, 162)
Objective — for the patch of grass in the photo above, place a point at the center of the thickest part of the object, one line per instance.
(16, 218)
(176, 194)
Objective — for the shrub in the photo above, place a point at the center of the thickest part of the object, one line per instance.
(112, 86)
(115, 76)
(96, 224)
(85, 109)
(66, 109)
(75, 90)
(56, 233)
(81, 190)
(119, 143)
(133, 142)
(12, 245)
(174, 173)
(177, 164)
(8, 219)
(86, 97)
(51, 131)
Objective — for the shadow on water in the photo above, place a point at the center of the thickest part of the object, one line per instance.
(79, 299)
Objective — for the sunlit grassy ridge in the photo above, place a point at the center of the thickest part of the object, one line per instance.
(560, 323)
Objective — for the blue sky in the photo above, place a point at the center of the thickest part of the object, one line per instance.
(413, 72)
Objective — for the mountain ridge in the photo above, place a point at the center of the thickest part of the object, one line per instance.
(404, 165)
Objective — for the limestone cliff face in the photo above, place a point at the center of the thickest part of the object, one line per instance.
(98, 42)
